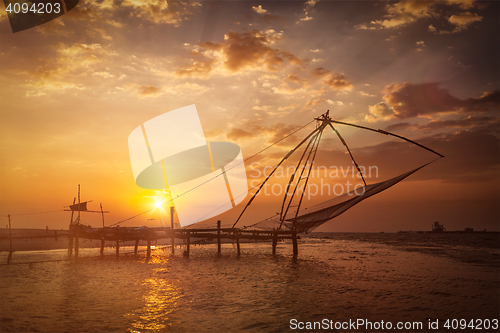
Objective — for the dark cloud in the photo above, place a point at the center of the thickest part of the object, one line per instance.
(409, 100)
(469, 122)
(470, 156)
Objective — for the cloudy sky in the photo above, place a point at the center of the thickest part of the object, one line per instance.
(74, 88)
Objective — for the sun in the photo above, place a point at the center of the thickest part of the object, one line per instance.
(158, 204)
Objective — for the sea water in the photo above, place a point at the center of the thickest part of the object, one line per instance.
(336, 279)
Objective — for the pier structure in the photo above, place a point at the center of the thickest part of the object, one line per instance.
(188, 236)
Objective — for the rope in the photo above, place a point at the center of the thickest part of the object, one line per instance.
(133, 217)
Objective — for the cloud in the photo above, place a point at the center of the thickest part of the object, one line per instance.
(277, 132)
(463, 20)
(149, 91)
(92, 19)
(67, 69)
(308, 7)
(338, 103)
(272, 133)
(200, 69)
(239, 52)
(238, 133)
(312, 103)
(409, 100)
(288, 107)
(464, 4)
(470, 156)
(161, 11)
(187, 88)
(467, 122)
(403, 13)
(379, 111)
(262, 108)
(336, 81)
(105, 75)
(363, 93)
(259, 10)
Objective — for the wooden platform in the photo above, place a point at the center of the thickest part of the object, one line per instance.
(189, 236)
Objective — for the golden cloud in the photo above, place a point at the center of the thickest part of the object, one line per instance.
(463, 20)
(70, 64)
(308, 7)
(161, 11)
(402, 13)
(239, 52)
(259, 10)
(379, 111)
(238, 133)
(312, 103)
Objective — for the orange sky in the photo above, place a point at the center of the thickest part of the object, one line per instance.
(73, 89)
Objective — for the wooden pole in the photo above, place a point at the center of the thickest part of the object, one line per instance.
(70, 238)
(102, 213)
(238, 242)
(77, 224)
(275, 241)
(294, 240)
(148, 253)
(10, 241)
(70, 245)
(136, 246)
(76, 244)
(172, 227)
(188, 240)
(117, 248)
(218, 237)
(102, 246)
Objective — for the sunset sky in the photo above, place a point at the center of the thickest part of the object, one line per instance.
(73, 89)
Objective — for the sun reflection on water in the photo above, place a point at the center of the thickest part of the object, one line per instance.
(161, 300)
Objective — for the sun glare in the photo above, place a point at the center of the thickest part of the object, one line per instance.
(157, 204)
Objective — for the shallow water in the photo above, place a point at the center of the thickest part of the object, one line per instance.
(390, 277)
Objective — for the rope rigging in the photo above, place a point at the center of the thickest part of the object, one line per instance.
(324, 120)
